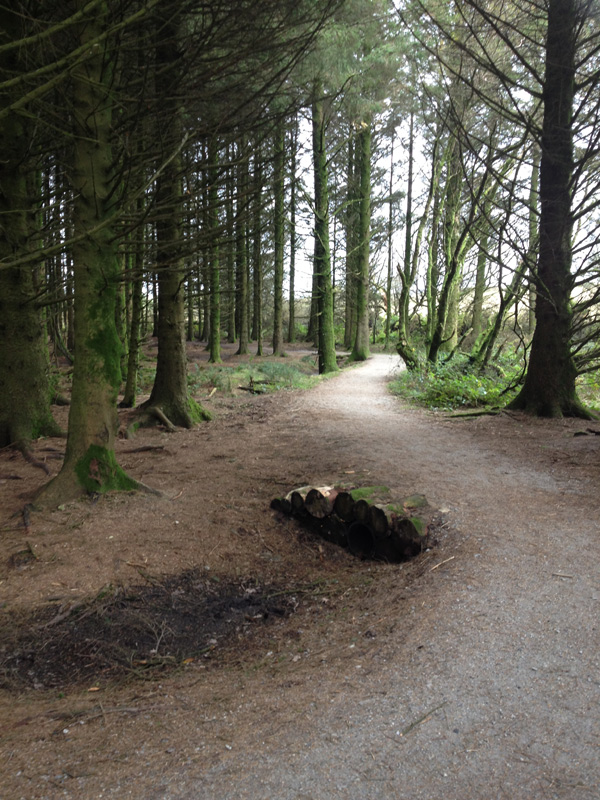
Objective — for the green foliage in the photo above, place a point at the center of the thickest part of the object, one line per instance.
(270, 376)
(457, 384)
(588, 389)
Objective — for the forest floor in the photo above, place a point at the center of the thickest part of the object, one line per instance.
(200, 645)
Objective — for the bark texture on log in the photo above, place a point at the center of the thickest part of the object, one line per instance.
(369, 528)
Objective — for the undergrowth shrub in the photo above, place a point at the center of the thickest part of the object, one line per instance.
(588, 389)
(270, 376)
(458, 384)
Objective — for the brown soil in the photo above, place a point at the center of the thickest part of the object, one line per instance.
(201, 645)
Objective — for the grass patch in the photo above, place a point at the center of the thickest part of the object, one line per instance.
(269, 376)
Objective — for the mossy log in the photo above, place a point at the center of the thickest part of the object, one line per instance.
(388, 532)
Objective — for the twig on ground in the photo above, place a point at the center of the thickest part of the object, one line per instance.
(442, 562)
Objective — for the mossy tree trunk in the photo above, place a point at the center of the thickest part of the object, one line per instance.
(90, 463)
(549, 388)
(360, 348)
(24, 363)
(322, 261)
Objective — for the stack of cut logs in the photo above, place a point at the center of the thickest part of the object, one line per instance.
(360, 519)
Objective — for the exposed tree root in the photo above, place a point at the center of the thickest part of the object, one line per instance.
(30, 458)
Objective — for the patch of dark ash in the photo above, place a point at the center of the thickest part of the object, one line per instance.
(137, 630)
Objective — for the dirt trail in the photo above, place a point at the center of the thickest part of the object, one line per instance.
(498, 664)
(478, 680)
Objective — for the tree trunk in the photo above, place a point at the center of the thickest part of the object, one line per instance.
(133, 356)
(230, 257)
(322, 263)
(257, 267)
(24, 363)
(293, 238)
(351, 221)
(241, 253)
(90, 463)
(389, 242)
(360, 349)
(170, 391)
(549, 388)
(213, 254)
(278, 239)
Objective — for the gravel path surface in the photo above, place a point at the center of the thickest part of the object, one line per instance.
(474, 676)
(492, 689)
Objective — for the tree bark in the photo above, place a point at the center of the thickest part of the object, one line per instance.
(24, 362)
(213, 254)
(360, 348)
(549, 388)
(241, 253)
(90, 464)
(322, 261)
(278, 238)
(170, 390)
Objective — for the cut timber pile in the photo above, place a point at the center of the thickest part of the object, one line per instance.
(361, 519)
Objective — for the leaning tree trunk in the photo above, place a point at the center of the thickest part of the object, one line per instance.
(90, 463)
(549, 388)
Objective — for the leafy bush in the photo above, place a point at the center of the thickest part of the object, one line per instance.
(588, 389)
(456, 384)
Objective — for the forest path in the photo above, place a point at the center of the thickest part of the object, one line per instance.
(497, 666)
(472, 672)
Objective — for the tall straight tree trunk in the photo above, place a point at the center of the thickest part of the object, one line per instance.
(408, 270)
(390, 249)
(351, 220)
(137, 278)
(452, 264)
(532, 246)
(549, 388)
(213, 254)
(360, 349)
(241, 251)
(170, 391)
(278, 238)
(90, 463)
(322, 263)
(24, 362)
(257, 266)
(230, 252)
(293, 238)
